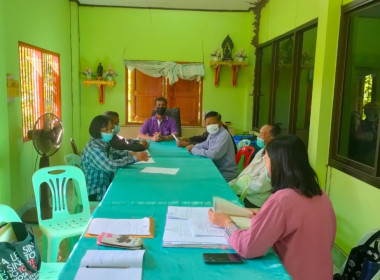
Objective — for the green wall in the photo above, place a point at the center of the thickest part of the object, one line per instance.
(355, 203)
(4, 141)
(110, 35)
(45, 24)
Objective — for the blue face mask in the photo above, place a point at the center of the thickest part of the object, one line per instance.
(116, 129)
(260, 142)
(267, 176)
(106, 137)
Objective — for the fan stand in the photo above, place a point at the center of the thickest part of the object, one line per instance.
(30, 216)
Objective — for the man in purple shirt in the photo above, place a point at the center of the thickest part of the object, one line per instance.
(159, 127)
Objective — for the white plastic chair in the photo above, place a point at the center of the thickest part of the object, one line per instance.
(48, 271)
(62, 224)
(75, 160)
(242, 185)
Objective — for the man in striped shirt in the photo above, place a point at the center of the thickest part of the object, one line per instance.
(100, 161)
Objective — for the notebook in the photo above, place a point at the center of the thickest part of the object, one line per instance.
(237, 213)
(111, 264)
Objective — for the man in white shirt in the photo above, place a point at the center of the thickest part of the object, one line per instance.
(260, 188)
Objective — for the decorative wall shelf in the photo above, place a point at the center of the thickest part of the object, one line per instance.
(100, 84)
(233, 64)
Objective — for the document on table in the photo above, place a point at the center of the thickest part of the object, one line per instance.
(111, 264)
(160, 170)
(178, 234)
(139, 227)
(190, 227)
(185, 213)
(150, 160)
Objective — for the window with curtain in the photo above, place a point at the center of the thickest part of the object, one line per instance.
(355, 134)
(40, 85)
(284, 81)
(183, 94)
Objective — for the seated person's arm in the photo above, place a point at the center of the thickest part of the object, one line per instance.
(215, 152)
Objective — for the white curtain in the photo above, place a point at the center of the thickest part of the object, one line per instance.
(168, 69)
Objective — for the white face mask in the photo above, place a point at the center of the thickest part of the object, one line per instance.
(212, 128)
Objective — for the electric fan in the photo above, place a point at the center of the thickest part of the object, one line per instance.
(47, 137)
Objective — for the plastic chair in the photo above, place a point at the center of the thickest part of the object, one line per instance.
(62, 224)
(48, 270)
(74, 160)
(243, 143)
(243, 157)
(74, 146)
(242, 185)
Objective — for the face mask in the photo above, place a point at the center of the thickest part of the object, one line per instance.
(116, 129)
(260, 142)
(267, 176)
(106, 137)
(161, 111)
(212, 128)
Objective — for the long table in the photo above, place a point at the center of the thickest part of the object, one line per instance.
(136, 195)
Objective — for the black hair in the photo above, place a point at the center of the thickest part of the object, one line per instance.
(160, 98)
(275, 129)
(290, 167)
(212, 114)
(111, 114)
(97, 124)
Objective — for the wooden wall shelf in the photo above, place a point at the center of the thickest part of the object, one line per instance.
(235, 67)
(100, 84)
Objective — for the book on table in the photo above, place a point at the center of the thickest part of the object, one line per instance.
(119, 241)
(111, 264)
(237, 213)
(134, 227)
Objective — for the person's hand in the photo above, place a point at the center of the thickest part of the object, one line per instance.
(189, 148)
(157, 137)
(184, 139)
(142, 156)
(145, 143)
(219, 219)
(182, 143)
(254, 212)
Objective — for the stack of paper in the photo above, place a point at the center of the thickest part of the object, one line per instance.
(111, 264)
(190, 227)
(134, 227)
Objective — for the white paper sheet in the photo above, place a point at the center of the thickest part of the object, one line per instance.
(160, 170)
(120, 226)
(111, 264)
(179, 212)
(150, 160)
(204, 228)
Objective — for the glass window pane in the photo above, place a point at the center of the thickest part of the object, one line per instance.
(265, 84)
(283, 82)
(305, 84)
(360, 108)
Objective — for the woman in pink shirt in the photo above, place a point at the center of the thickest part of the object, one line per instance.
(297, 220)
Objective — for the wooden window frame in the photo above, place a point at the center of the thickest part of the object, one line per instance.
(298, 39)
(40, 98)
(370, 175)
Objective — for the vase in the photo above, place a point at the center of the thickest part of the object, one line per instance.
(240, 59)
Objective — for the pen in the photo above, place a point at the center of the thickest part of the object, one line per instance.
(106, 266)
(176, 139)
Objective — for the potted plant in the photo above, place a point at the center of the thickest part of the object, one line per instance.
(216, 54)
(241, 55)
(109, 74)
(88, 73)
